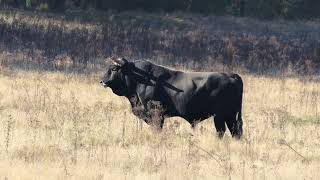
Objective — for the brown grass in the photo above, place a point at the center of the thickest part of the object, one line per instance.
(59, 126)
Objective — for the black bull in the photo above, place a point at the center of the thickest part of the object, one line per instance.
(194, 96)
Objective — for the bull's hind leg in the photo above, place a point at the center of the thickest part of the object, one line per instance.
(231, 122)
(161, 123)
(220, 125)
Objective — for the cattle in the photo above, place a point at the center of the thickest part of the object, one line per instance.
(194, 96)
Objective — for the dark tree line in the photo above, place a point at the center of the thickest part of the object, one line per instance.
(252, 8)
(261, 51)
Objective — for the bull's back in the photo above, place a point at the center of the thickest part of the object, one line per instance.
(199, 93)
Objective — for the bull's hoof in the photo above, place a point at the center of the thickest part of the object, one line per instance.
(193, 126)
(236, 136)
(220, 135)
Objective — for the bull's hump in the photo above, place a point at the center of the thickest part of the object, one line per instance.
(203, 74)
(147, 65)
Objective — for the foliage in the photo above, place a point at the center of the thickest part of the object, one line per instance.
(270, 47)
(253, 8)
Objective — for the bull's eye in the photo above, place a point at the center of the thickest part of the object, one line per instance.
(115, 68)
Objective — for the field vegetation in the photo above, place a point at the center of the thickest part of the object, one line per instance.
(60, 126)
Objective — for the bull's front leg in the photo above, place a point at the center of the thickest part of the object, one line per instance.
(144, 111)
(143, 103)
(152, 113)
(144, 94)
(152, 109)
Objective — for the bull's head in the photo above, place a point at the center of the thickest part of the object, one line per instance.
(115, 76)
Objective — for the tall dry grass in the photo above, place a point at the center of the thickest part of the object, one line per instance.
(64, 126)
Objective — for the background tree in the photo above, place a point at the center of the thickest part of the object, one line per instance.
(291, 9)
(56, 5)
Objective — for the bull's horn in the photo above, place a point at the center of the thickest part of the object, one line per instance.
(115, 63)
(121, 61)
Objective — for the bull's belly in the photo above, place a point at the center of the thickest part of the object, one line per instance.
(196, 117)
(196, 111)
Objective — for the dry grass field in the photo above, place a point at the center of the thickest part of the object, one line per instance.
(64, 126)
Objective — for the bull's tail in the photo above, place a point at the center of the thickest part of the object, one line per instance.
(239, 85)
